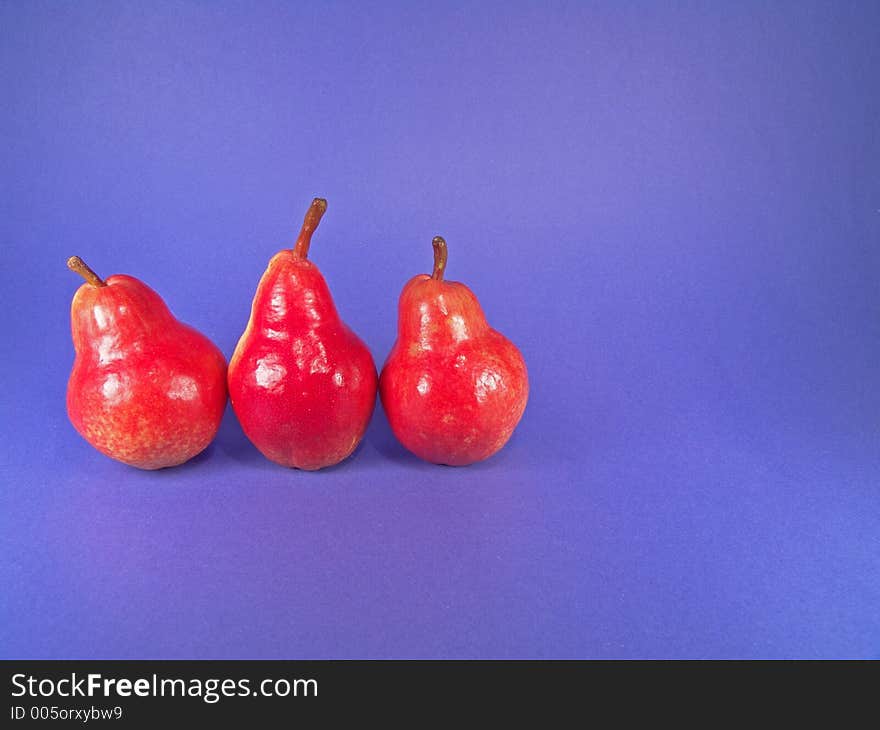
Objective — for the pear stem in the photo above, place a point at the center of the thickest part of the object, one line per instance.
(440, 255)
(313, 217)
(75, 263)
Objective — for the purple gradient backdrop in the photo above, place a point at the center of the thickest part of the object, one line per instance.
(674, 210)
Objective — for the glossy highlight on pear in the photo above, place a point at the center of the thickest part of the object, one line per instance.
(145, 389)
(453, 388)
(302, 384)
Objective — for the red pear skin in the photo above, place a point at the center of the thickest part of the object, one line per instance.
(302, 384)
(145, 389)
(453, 388)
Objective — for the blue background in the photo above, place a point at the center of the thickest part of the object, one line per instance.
(672, 208)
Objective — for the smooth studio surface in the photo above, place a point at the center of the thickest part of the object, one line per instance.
(674, 212)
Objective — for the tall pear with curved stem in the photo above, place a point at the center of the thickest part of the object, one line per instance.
(302, 384)
(453, 388)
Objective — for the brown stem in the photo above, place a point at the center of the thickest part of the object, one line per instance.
(313, 217)
(75, 263)
(439, 258)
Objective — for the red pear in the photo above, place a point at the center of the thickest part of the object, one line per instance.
(145, 389)
(302, 384)
(453, 388)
